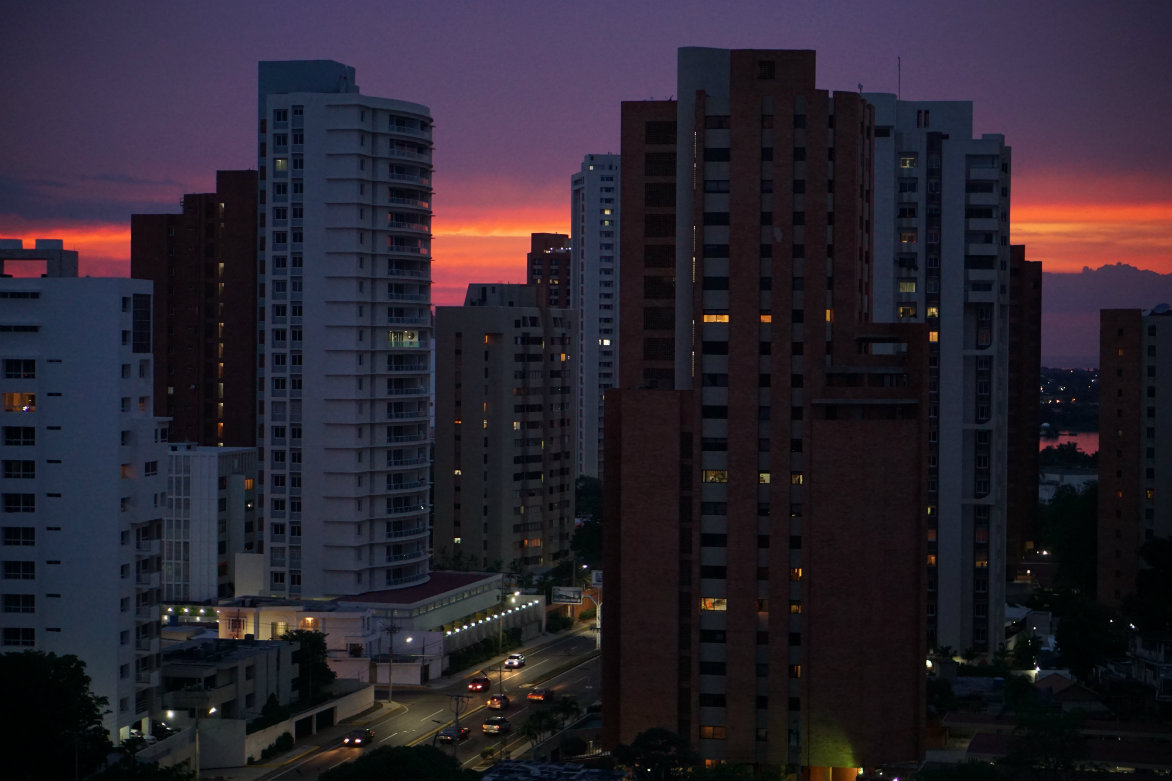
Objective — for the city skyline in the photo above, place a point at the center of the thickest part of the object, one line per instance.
(520, 91)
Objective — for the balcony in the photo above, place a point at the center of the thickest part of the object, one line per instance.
(148, 612)
(147, 678)
(424, 181)
(412, 202)
(406, 485)
(411, 130)
(408, 154)
(146, 645)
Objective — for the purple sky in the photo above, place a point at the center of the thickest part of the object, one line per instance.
(117, 107)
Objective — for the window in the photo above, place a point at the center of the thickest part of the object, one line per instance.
(20, 469)
(21, 636)
(908, 160)
(714, 732)
(20, 435)
(714, 476)
(19, 503)
(19, 603)
(20, 369)
(20, 570)
(20, 402)
(713, 603)
(20, 535)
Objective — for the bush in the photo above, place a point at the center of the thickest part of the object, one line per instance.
(558, 623)
(587, 614)
(279, 746)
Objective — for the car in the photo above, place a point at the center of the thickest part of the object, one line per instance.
(498, 701)
(515, 660)
(451, 734)
(149, 740)
(479, 683)
(496, 725)
(162, 730)
(540, 695)
(358, 737)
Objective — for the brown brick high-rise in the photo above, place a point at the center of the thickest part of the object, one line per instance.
(766, 538)
(203, 264)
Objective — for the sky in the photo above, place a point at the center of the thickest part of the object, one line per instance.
(113, 108)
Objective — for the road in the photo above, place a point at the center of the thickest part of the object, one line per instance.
(419, 714)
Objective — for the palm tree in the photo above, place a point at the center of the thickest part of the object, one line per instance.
(566, 709)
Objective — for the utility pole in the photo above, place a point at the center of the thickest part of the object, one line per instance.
(459, 704)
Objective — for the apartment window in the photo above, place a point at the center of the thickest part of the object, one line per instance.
(20, 535)
(714, 732)
(713, 603)
(19, 636)
(20, 435)
(20, 369)
(18, 470)
(714, 476)
(20, 570)
(20, 603)
(20, 402)
(908, 160)
(19, 503)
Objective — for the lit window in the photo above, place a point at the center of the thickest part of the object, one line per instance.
(763, 477)
(907, 237)
(907, 310)
(795, 606)
(714, 476)
(796, 478)
(712, 732)
(1151, 493)
(907, 286)
(766, 318)
(714, 318)
(281, 164)
(830, 315)
(907, 161)
(457, 540)
(933, 336)
(795, 573)
(20, 402)
(795, 671)
(713, 603)
(931, 559)
(933, 311)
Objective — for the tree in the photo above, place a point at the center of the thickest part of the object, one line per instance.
(312, 659)
(538, 726)
(1025, 651)
(1088, 635)
(566, 708)
(1067, 528)
(1048, 739)
(54, 724)
(1148, 606)
(588, 498)
(655, 754)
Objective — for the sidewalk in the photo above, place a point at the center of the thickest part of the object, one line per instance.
(380, 709)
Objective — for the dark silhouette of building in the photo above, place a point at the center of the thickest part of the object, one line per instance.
(1135, 427)
(1025, 381)
(766, 447)
(203, 264)
(548, 266)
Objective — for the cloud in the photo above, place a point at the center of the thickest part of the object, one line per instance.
(96, 197)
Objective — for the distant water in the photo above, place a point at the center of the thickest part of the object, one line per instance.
(1087, 441)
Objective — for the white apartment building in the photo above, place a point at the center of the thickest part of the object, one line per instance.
(942, 257)
(211, 517)
(344, 298)
(83, 482)
(594, 231)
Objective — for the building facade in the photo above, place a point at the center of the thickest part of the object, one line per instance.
(1135, 427)
(1025, 381)
(211, 517)
(765, 448)
(83, 483)
(547, 268)
(594, 232)
(504, 455)
(203, 264)
(344, 273)
(941, 257)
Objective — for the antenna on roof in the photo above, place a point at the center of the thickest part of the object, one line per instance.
(898, 78)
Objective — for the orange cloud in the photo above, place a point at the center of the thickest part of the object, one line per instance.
(1069, 236)
(103, 248)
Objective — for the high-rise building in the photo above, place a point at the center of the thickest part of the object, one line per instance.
(1025, 381)
(594, 231)
(766, 444)
(344, 272)
(82, 491)
(211, 517)
(941, 257)
(504, 452)
(1135, 427)
(547, 268)
(203, 264)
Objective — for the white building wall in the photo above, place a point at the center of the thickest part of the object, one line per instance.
(956, 278)
(594, 236)
(346, 404)
(99, 460)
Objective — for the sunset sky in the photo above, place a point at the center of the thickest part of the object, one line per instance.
(112, 108)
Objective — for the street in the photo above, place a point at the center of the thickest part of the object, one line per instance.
(419, 714)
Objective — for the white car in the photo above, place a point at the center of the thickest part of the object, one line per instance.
(515, 660)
